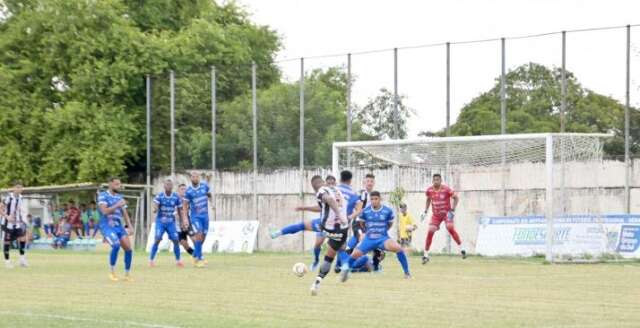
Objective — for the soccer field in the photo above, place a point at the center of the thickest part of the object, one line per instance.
(65, 289)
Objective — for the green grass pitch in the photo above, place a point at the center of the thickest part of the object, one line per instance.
(71, 289)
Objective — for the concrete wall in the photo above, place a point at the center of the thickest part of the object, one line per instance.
(589, 188)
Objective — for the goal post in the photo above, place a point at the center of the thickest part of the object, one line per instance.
(499, 163)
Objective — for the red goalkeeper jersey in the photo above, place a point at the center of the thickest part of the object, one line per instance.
(440, 200)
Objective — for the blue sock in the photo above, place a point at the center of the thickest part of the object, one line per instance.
(316, 254)
(403, 261)
(343, 257)
(154, 251)
(128, 257)
(351, 262)
(113, 257)
(293, 228)
(176, 250)
(360, 262)
(197, 249)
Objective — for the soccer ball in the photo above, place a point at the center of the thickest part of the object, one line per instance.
(299, 269)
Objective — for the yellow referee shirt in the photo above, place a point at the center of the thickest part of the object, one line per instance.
(406, 220)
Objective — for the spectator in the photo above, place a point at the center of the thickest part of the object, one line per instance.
(94, 218)
(47, 221)
(63, 234)
(74, 217)
(36, 231)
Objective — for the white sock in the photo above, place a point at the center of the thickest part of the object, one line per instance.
(426, 253)
(23, 258)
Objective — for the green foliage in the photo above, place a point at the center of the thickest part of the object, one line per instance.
(378, 116)
(73, 92)
(533, 104)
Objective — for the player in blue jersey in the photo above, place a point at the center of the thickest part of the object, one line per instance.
(196, 201)
(378, 219)
(167, 203)
(113, 210)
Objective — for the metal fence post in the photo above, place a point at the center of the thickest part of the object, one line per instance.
(302, 138)
(627, 123)
(213, 139)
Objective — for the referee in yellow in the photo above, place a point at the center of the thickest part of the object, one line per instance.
(407, 226)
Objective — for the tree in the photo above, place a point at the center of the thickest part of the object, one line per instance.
(378, 116)
(533, 104)
(85, 62)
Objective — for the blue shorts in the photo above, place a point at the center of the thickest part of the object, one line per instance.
(315, 226)
(200, 224)
(170, 228)
(113, 234)
(62, 241)
(367, 245)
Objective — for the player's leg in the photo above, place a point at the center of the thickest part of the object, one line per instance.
(303, 225)
(336, 243)
(22, 244)
(364, 247)
(172, 232)
(159, 231)
(182, 237)
(198, 241)
(393, 246)
(433, 227)
(317, 247)
(112, 239)
(128, 252)
(6, 248)
(456, 237)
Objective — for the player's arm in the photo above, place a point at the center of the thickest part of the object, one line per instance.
(109, 210)
(356, 211)
(456, 200)
(127, 219)
(426, 209)
(185, 208)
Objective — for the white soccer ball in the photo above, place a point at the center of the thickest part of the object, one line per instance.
(299, 269)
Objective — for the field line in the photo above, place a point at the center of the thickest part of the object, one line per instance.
(71, 318)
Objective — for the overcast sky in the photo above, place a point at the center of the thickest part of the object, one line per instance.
(313, 27)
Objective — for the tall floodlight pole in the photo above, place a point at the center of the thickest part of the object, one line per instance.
(396, 111)
(349, 113)
(627, 107)
(302, 137)
(172, 109)
(213, 137)
(448, 127)
(255, 140)
(148, 181)
(503, 119)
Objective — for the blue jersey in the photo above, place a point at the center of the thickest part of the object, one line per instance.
(114, 219)
(350, 197)
(167, 206)
(198, 199)
(377, 221)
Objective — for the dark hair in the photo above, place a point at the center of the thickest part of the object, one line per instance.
(330, 177)
(370, 176)
(112, 179)
(437, 175)
(93, 202)
(182, 185)
(17, 183)
(403, 205)
(346, 176)
(374, 193)
(71, 201)
(315, 177)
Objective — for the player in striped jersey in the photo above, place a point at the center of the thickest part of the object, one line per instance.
(334, 223)
(14, 227)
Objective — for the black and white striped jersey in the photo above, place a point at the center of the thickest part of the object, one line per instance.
(13, 208)
(328, 217)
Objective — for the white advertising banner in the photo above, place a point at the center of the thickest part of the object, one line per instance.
(574, 235)
(223, 236)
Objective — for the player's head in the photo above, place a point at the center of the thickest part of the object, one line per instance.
(403, 208)
(72, 203)
(316, 182)
(369, 181)
(330, 180)
(376, 199)
(346, 176)
(17, 188)
(195, 177)
(92, 204)
(114, 184)
(436, 180)
(168, 185)
(182, 188)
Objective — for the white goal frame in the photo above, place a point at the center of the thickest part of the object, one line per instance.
(549, 161)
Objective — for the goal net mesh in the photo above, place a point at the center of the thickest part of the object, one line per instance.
(509, 173)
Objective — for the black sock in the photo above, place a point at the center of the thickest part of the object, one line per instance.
(325, 267)
(6, 251)
(22, 244)
(190, 251)
(376, 259)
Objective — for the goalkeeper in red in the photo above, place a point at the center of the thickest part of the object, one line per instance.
(439, 197)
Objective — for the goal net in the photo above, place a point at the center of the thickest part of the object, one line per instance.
(518, 190)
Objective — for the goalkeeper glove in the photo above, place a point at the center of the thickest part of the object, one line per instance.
(451, 214)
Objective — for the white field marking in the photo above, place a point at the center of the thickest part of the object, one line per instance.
(70, 318)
